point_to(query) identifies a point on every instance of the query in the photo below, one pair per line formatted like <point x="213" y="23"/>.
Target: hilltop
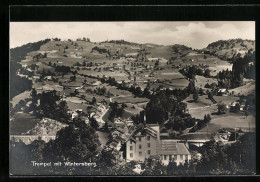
<point x="227" y="49"/>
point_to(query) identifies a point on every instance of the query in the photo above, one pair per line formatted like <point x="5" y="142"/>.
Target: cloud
<point x="193" y="34"/>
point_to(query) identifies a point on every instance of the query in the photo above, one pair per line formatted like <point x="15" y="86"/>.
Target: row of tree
<point x="79" y="143"/>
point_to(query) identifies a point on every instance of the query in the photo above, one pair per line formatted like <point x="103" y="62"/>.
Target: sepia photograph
<point x="132" y="98"/>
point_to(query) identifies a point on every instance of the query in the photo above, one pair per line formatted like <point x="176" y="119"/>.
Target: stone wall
<point x="28" y="139"/>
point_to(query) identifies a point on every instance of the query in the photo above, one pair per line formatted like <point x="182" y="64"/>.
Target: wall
<point x="178" y="160"/>
<point x="144" y="149"/>
<point x="28" y="139"/>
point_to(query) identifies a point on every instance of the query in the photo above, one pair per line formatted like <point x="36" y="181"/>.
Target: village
<point x="114" y="87"/>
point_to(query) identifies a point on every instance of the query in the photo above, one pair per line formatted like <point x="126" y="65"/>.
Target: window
<point x="148" y="145"/>
<point x="131" y="147"/>
<point x="131" y="155"/>
<point x="140" y="146"/>
<point x="148" y="152"/>
<point x="170" y="157"/>
<point x="131" y="141"/>
<point x="140" y="153"/>
<point x="140" y="139"/>
<point x="148" y="137"/>
<point x="181" y="157"/>
<point x="187" y="157"/>
<point x="175" y="157"/>
<point x="165" y="157"/>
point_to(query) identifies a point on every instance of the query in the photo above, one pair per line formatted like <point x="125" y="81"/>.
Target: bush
<point x="222" y="108"/>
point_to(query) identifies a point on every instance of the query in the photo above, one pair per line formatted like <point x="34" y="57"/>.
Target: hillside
<point x="227" y="49"/>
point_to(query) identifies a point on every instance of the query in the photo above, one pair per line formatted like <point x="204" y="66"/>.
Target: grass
<point x="125" y="115"/>
<point x="103" y="137"/>
<point x="73" y="106"/>
<point x="231" y="120"/>
<point x="201" y="81"/>
<point x="21" y="123"/>
<point x="160" y="52"/>
<point x="22" y="96"/>
<point x="247" y="89"/>
<point x="130" y="99"/>
<point x="204" y="106"/>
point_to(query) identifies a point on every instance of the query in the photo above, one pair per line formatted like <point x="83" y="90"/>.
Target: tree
<point x="207" y="118"/>
<point x="83" y="97"/>
<point x="62" y="112"/>
<point x="191" y="87"/>
<point x="93" y="123"/>
<point x="210" y="95"/>
<point x="207" y="73"/>
<point x="201" y="92"/>
<point x="94" y="100"/>
<point x="33" y="105"/>
<point x="236" y="108"/>
<point x="146" y="92"/>
<point x="246" y="114"/>
<point x="138" y="91"/>
<point x="107" y="158"/>
<point x="106" y="127"/>
<point x="195" y="96"/>
<point x="159" y="106"/>
<point x="222" y="108"/>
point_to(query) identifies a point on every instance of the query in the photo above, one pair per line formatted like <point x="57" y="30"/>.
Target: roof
<point x="113" y="144"/>
<point x="223" y="90"/>
<point x="121" y="130"/>
<point x="234" y="103"/>
<point x="146" y="130"/>
<point x="195" y="136"/>
<point x="171" y="147"/>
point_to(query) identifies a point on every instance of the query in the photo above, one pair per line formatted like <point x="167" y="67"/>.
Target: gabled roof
<point x="195" y="136"/>
<point x="171" y="147"/>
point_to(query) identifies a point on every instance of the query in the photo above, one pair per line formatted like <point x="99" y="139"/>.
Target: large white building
<point x="146" y="143"/>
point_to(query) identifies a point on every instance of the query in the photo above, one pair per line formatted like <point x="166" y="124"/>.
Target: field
<point x="247" y="89"/>
<point x="103" y="137"/>
<point x="126" y="115"/>
<point x="231" y="120"/>
<point x="205" y="106"/>
<point x="201" y="81"/>
<point x="122" y="68"/>
<point x="22" y="96"/>
<point x="130" y="99"/>
<point x="21" y="123"/>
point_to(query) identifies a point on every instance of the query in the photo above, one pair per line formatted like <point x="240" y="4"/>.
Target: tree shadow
<point x="217" y="113"/>
<point x="191" y="101"/>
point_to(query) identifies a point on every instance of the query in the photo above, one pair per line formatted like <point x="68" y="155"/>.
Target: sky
<point x="190" y="33"/>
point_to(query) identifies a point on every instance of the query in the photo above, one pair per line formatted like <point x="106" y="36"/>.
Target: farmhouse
<point x="48" y="78"/>
<point x="131" y="55"/>
<point x="241" y="105"/>
<point x="223" y="92"/>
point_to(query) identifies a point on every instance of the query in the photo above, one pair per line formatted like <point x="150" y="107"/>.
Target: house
<point x="169" y="150"/>
<point x="223" y="92"/>
<point x="146" y="143"/>
<point x="132" y="55"/>
<point x="36" y="77"/>
<point x="241" y="105"/>
<point x="76" y="113"/>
